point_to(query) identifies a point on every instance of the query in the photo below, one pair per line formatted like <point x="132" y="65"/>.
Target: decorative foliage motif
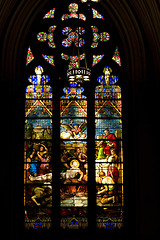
<point x="30" y="56"/>
<point x="96" y="14"/>
<point x="38" y="91"/>
<point x="43" y="36"/>
<point x="97" y="59"/>
<point x="116" y="57"/>
<point x="73" y="37"/>
<point x="73" y="91"/>
<point x="103" y="37"/>
<point x="73" y="59"/>
<point x="73" y="9"/>
<point x="50" y="14"/>
<point x="49" y="59"/>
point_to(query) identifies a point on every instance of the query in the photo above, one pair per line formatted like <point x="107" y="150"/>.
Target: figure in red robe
<point x="110" y="143"/>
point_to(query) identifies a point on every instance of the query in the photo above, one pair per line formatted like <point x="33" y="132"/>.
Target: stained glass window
<point x="73" y="59"/>
<point x="74" y="167"/>
<point x="73" y="9"/>
<point x="116" y="57"/>
<point x="38" y="152"/>
<point x="96" y="14"/>
<point x="43" y="36"/>
<point x="78" y="42"/>
<point x="103" y="37"/>
<point x="73" y="37"/>
<point x="50" y="14"/>
<point x="96" y="59"/>
<point x="30" y="56"/>
<point x="49" y="59"/>
<point x="108" y="152"/>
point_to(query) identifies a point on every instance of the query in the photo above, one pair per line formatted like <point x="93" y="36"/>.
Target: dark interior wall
<point x="137" y="23"/>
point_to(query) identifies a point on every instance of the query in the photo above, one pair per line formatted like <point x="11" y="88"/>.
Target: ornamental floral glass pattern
<point x="43" y="36"/>
<point x="49" y="59"/>
<point x="116" y="57"/>
<point x="38" y="152"/>
<point x="73" y="9"/>
<point x="50" y="14"/>
<point x="74" y="167"/>
<point x="73" y="37"/>
<point x="97" y="59"/>
<point x="30" y="56"/>
<point x="96" y="14"/>
<point x="108" y="152"/>
<point x="73" y="59"/>
<point x="97" y="37"/>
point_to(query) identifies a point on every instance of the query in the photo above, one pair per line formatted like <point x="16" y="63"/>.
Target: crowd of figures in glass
<point x="74" y="168"/>
<point x="109" y="151"/>
<point x="38" y="152"/>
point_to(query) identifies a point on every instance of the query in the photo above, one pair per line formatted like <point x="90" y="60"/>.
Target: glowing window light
<point x="49" y="14"/>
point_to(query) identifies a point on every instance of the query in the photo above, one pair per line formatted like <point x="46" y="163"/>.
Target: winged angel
<point x="75" y="131"/>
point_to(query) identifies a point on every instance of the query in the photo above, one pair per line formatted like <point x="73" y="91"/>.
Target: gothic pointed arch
<point x="73" y="151"/>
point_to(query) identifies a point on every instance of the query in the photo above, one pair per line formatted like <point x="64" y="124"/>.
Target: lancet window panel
<point x="73" y="184"/>
<point x="74" y="160"/>
<point x="108" y="152"/>
<point x="38" y="152"/>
